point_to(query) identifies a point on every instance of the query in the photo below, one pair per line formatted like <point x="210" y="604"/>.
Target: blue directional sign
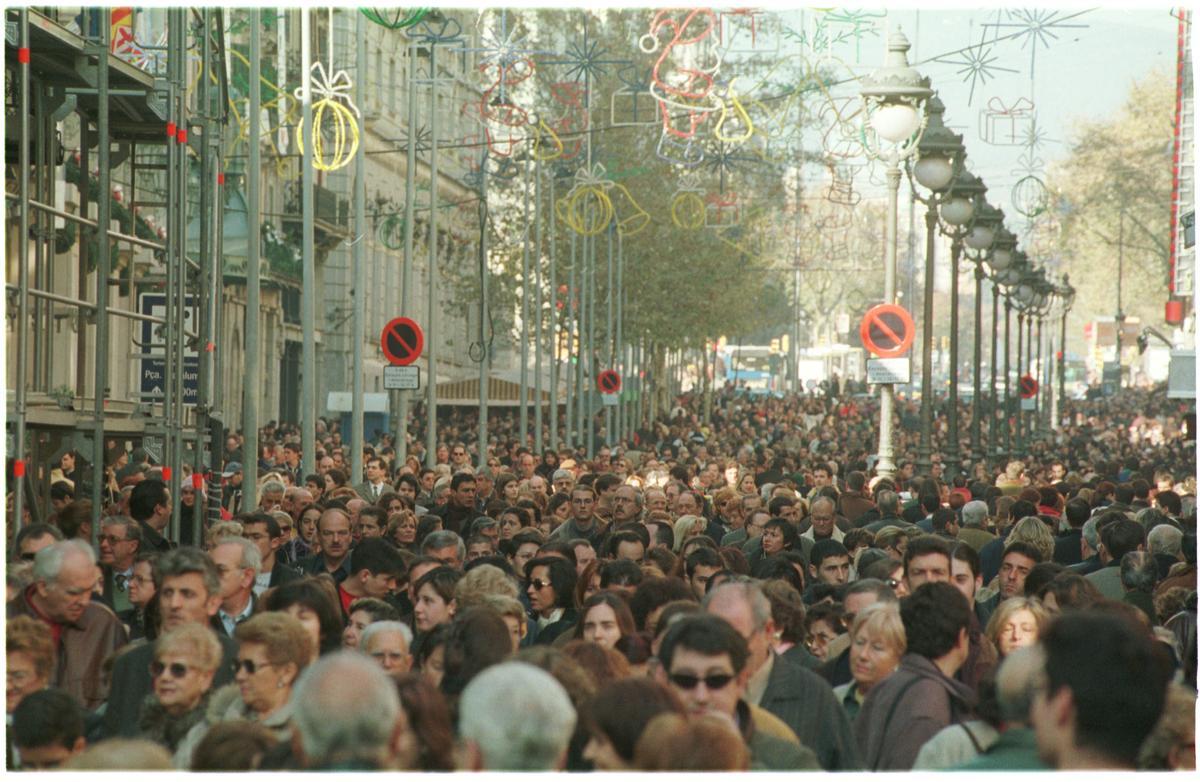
<point x="153" y="364"/>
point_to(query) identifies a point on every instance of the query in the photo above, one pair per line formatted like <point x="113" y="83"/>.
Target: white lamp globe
<point x="933" y="171"/>
<point x="1025" y="293"/>
<point x="1001" y="259"/>
<point x="980" y="238"/>
<point x="895" y="122"/>
<point x="957" y="211"/>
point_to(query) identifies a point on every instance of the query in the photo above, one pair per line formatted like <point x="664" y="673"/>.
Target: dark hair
<point x="1070" y="590"/>
<point x="964" y="553"/>
<point x="620" y="572"/>
<point x="562" y="578"/>
<point x="145" y="497"/>
<point x="61" y="490"/>
<point x="443" y="579"/>
<point x="733" y="559"/>
<point x="260" y="517"/>
<point x="233" y="745"/>
<point x="309" y="593"/>
<point x="943" y="517"/>
<point x="478" y="638"/>
<point x="459" y="478"/>
<point x="37" y="530"/>
<point x="374" y="512"/>
<point x="934" y="615"/>
<point x="621" y="711"/>
<point x="427" y="642"/>
<point x="1023" y="548"/>
<point x="777" y="568"/>
<point x="1041" y="574"/>
<point x="619" y="606"/>
<point x="787" y="610"/>
<point x="377" y="555"/>
<point x="1077" y="512"/>
<point x="705" y="634"/>
<point x="1121" y="537"/>
<point x="427" y="524"/>
<point x="824" y="549"/>
<point x="379" y="610"/>
<point x="428" y="719"/>
<point x="46" y="718"/>
<point x="626" y="536"/>
<point x="661" y="532"/>
<point x="791" y="538"/>
<point x="702" y="556"/>
<point x="926" y="544"/>
<point x="1170" y="501"/>
<point x="654" y="593"/>
<point x="1113" y="713"/>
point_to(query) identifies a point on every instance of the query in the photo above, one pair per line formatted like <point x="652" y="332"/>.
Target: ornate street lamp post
<point x="979" y="248"/>
<point x="893" y="102"/>
<point x="940" y="161"/>
<point x="957" y="217"/>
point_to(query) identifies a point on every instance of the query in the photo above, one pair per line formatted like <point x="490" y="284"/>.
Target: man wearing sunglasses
<point x="703" y="659"/>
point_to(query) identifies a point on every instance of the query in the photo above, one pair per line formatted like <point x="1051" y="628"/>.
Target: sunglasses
<point x="537" y="583"/>
<point x="177" y="670"/>
<point x="28" y="556"/>
<point x="249" y="666"/>
<point x="716" y="681"/>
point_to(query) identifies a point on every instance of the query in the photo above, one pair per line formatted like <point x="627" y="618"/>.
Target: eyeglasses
<point x="177" y="670"/>
<point x="112" y="539"/>
<point x="28" y="556"/>
<point x="715" y="681"/>
<point x="537" y="583"/>
<point x="893" y="583"/>
<point x="249" y="666"/>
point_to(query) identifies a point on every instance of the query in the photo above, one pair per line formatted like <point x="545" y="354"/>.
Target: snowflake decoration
<point x="1034" y="27"/>
<point x="1033" y="136"/>
<point x="976" y="66"/>
<point x="504" y="46"/>
<point x="422" y="138"/>
<point x="585" y="58"/>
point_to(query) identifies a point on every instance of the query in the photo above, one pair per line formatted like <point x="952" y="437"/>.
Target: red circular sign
<point x="609" y="382"/>
<point x="887" y="330"/>
<point x="1029" y="387"/>
<point x="402" y="341"/>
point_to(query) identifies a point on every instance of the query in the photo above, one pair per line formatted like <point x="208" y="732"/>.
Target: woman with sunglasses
<point x="181" y="674"/>
<point x="273" y="649"/>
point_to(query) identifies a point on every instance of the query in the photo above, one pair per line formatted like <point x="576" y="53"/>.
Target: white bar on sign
<point x="889" y="371"/>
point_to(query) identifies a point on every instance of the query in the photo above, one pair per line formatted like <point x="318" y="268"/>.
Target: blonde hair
<point x="683" y="528"/>
<point x="1033" y="531"/>
<point x="481" y="582"/>
<point x="282" y="635"/>
<point x="194" y="639"/>
<point x="1006" y="609"/>
<point x="222" y="529"/>
<point x="27" y="635"/>
<point x="881" y="621"/>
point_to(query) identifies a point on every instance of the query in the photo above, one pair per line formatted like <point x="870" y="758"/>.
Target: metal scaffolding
<point x="137" y="119"/>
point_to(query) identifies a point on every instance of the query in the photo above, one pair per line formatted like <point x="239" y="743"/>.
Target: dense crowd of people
<point x="730" y="589"/>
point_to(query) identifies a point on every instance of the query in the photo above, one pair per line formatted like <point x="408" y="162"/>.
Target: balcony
<point x="331" y="217"/>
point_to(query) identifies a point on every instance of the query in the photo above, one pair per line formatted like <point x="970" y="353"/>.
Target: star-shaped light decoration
<point x="976" y="66"/>
<point x="585" y="58"/>
<point x="1034" y="27"/>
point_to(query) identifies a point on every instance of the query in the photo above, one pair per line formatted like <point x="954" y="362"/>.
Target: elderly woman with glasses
<point x="181" y="673"/>
<point x="273" y="648"/>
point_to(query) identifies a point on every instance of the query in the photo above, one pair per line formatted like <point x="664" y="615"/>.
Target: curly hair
<point x="26" y="635"/>
<point x="282" y="635"/>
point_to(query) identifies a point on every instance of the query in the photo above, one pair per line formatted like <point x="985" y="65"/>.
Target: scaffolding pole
<point x="308" y="291"/>
<point x="250" y="391"/>
<point x="103" y="269"/>
<point x="357" y="436"/>
<point x="22" y="282"/>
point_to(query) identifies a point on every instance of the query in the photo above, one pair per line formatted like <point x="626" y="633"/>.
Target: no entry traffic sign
<point x="887" y="330"/>
<point x="402" y="341"/>
<point x="1029" y="387"/>
<point x="609" y="382"/>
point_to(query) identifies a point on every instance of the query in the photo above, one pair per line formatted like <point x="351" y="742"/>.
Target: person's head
<point x="1105" y="685"/>
<point x="185" y="660"/>
<point x="652" y="595"/>
<point x="1017" y="622"/>
<point x="478" y="638"/>
<point x="334" y="534"/>
<point x="377" y="567"/>
<point x="1172" y="744"/>
<point x="1139" y="571"/>
<point x="365" y="611"/>
<point x="33" y="538"/>
<point x="936" y="620"/>
<point x="30" y="659"/>
<point x="605" y="619"/>
<point x="965" y="570"/>
<point x="346" y="709"/>
<point x="273" y="648"/>
<point x="743" y="605"/>
<point x="551" y="584"/>
<point x="926" y="559"/>
<point x="64" y="574"/>
<point x="233" y="745"/>
<point x="434" y="604"/>
<point x="1165" y="540"/>
<point x="974" y="514"/>
<point x="616" y="717"/>
<point x="120" y="541"/>
<point x="372" y="520"/>
<point x="150" y="503"/>
<point x="701" y="565"/>
<point x="388" y="643"/>
<point x="47" y="730"/>
<point x="1032" y="530"/>
<point x="829" y="562"/>
<point x="877" y="642"/>
<point x="1016" y="562"/>
<point x="445" y="546"/>
<point x="698" y="743"/>
<point x="492" y="740"/>
<point x="1119" y="537"/>
<point x="237" y="561"/>
<point x="703" y="660"/>
<point x="313" y="601"/>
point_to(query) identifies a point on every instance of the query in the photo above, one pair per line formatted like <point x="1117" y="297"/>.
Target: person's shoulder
<point x="776" y="754"/>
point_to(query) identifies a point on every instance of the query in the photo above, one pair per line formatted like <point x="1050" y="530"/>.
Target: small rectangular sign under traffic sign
<point x="890" y="371"/>
<point x="402" y="378"/>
